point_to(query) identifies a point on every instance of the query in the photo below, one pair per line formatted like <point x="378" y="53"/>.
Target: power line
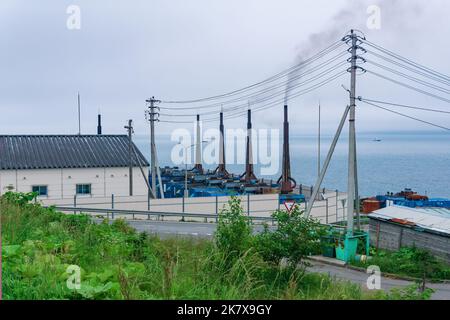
<point x="406" y="60"/>
<point x="268" y="105"/>
<point x="404" y="106"/>
<point x="408" y="86"/>
<point x="319" y="55"/>
<point x="268" y="97"/>
<point x="399" y="64"/>
<point x="406" y="116"/>
<point x="422" y="82"/>
<point x="265" y="90"/>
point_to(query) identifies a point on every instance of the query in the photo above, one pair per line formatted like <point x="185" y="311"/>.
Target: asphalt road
<point x="161" y="228"/>
<point x="442" y="290"/>
<point x="170" y="229"/>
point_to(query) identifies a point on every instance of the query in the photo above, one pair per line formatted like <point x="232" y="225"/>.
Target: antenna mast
<point x="79" y="115"/>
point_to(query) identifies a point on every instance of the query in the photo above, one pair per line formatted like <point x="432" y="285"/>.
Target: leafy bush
<point x="233" y="236"/>
<point x="20" y="198"/>
<point x="410" y="262"/>
<point x="412" y="292"/>
<point x="295" y="238"/>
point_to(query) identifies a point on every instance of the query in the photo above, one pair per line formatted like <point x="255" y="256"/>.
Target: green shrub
<point x="233" y="236"/>
<point x="410" y="262"/>
<point x="295" y="238"/>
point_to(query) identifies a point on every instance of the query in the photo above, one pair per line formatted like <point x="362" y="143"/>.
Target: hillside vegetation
<point x="116" y="262"/>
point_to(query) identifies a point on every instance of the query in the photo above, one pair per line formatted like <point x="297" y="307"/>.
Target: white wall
<point x="62" y="183"/>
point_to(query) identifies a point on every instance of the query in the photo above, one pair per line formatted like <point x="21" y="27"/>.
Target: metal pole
<point x="75" y="201"/>
<point x="278" y="202"/>
<point x="217" y="207"/>
<point x="150" y="191"/>
<point x="326" y="200"/>
<point x="79" y="115"/>
<point x="112" y="205"/>
<point x="337" y="208"/>
<point x="358" y="202"/>
<point x="248" y="208"/>
<point x="158" y="173"/>
<point x="351" y="189"/>
<point x="327" y="161"/>
<point x="186" y="191"/>
<point x="130" y="155"/>
<point x="318" y="147"/>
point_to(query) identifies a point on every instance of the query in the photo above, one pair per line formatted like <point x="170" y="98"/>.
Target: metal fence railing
<point x="330" y="208"/>
<point x="159" y="216"/>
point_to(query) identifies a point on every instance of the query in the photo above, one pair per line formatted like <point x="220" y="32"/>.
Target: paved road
<point x="442" y="290"/>
<point x="168" y="228"/>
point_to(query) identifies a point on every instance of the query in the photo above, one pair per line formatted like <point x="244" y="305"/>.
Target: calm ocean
<point x="417" y="160"/>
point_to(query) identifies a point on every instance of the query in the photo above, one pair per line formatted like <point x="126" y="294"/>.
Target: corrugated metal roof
<point x="433" y="219"/>
<point x="65" y="151"/>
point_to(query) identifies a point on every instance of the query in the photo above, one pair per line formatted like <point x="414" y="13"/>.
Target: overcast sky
<point x="127" y="51"/>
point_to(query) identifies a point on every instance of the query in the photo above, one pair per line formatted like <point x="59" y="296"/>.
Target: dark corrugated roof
<point x="65" y="151"/>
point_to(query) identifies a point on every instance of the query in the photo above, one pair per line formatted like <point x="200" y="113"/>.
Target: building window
<point x="40" y="190"/>
<point x="83" y="189"/>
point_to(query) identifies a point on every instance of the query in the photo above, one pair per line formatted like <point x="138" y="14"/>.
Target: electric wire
<point x="404" y="105"/>
<point x="268" y="97"/>
<point x="317" y="56"/>
<point x="268" y="105"/>
<point x="422" y="82"/>
<point x="406" y="60"/>
<point x="408" y="68"/>
<point x="264" y="90"/>
<point x="408" y="86"/>
<point x="407" y="116"/>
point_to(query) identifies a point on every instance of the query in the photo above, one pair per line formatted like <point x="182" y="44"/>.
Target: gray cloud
<point x="125" y="53"/>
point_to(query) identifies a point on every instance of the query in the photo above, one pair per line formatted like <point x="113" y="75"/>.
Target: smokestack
<point x="198" y="149"/>
<point x="221" y="169"/>
<point x="99" y="124"/>
<point x="249" y="174"/>
<point x="286" y="185"/>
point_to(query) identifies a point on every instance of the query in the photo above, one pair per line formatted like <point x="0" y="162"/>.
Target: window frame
<point x="39" y="186"/>
<point x="81" y="185"/>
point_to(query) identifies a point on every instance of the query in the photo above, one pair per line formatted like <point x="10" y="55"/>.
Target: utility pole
<point x="130" y="154"/>
<point x="153" y="116"/>
<point x="351" y="189"/>
<point x="352" y="164"/>
<point x="79" y="115"/>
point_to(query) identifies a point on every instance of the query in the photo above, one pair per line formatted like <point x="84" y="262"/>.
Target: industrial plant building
<point x="61" y="166"/>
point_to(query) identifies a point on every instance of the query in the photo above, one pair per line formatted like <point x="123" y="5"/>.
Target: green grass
<point x="403" y="263"/>
<point x="119" y="263"/>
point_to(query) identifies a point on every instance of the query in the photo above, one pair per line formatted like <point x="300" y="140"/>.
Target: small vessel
<point x="376" y="140"/>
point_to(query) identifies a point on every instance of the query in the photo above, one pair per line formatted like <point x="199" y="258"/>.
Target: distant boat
<point x="377" y="140"/>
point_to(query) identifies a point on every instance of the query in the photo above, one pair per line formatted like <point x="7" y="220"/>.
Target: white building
<point x="61" y="166"/>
